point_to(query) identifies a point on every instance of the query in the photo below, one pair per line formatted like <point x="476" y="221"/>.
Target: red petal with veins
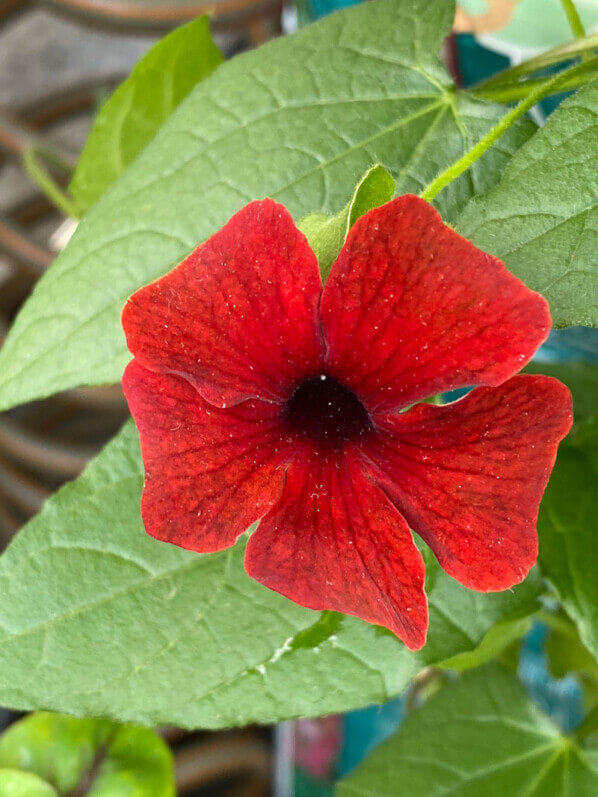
<point x="209" y="473"/>
<point x="239" y="317"/>
<point x="334" y="541"/>
<point x="411" y="309"/>
<point x="468" y="477"/>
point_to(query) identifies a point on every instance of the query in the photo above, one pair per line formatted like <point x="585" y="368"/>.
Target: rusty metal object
<point x="20" y="491"/>
<point x="15" y="242"/>
<point x="17" y="137"/>
<point x="18" y="132"/>
<point x="9" y="525"/>
<point x="34" y="451"/>
<point x="228" y="763"/>
<point x="67" y="103"/>
<point x="161" y="14"/>
<point x="8" y="7"/>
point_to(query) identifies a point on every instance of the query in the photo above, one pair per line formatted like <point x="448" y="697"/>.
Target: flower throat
<point x="323" y="409"/>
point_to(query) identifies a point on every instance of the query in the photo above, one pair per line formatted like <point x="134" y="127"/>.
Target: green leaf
<point x="130" y="119"/>
<point x="542" y="218"/>
<point x="98" y="618"/>
<point x="299" y="120"/>
<point x="66" y="752"/>
<point x="569" y="508"/>
<point x="479" y="737"/>
<point x="375" y="188"/>
<point x="326" y="234"/>
<point x="498" y="638"/>
<point x="22" y="784"/>
<point x="567" y="530"/>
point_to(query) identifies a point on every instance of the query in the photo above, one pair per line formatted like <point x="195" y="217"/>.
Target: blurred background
<point x="59" y="60"/>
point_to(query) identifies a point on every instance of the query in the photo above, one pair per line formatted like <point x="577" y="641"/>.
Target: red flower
<point x="260" y="394"/>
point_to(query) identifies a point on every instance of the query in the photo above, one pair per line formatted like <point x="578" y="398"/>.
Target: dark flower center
<point x="325" y="410"/>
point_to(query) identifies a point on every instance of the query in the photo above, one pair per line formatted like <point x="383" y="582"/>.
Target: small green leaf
<point x="326" y="234"/>
<point x="375" y="188"/>
<point x="479" y="737"/>
<point x="542" y="217"/>
<point x="66" y="752"/>
<point x="498" y="638"/>
<point x="567" y="530"/>
<point x="139" y="107"/>
<point x="299" y="119"/>
<point x="23" y="784"/>
<point x="96" y="617"/>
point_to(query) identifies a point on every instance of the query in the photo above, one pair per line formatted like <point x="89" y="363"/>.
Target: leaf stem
<point x="44" y="180"/>
<point x="557" y="55"/>
<point x="89" y="776"/>
<point x="575" y="22"/>
<point x="419" y="685"/>
<point x="465" y="161"/>
<point x="518" y="89"/>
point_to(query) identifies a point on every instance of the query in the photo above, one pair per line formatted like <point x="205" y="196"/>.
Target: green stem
<point x="466" y="161"/>
<point x="54" y="157"/>
<point x="420" y="684"/>
<point x="517" y="90"/>
<point x="557" y="55"/>
<point x="573" y="18"/>
<point x="44" y="180"/>
<point x="90" y="775"/>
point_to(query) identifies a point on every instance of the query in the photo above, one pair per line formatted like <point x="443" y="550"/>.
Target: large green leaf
<point x="300" y="120"/>
<point x="139" y="107"/>
<point x="479" y="737"/>
<point x="542" y="218"/>
<point x="567" y="519"/>
<point x="98" y="618"/>
<point x="115" y="760"/>
<point x="567" y="525"/>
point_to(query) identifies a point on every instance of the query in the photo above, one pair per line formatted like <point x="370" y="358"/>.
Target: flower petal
<point x="468" y="477"/>
<point x="334" y="541"/>
<point x="238" y="318"/>
<point x="209" y="473"/>
<point x="411" y="309"/>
